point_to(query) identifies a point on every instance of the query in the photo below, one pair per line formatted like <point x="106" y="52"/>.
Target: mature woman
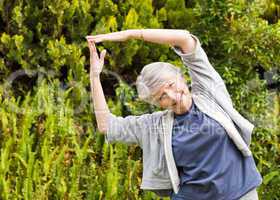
<point x="197" y="148"/>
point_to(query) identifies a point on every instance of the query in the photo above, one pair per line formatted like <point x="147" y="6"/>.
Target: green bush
<point x="49" y="147"/>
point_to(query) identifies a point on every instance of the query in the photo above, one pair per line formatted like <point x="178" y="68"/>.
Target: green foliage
<point x="49" y="146"/>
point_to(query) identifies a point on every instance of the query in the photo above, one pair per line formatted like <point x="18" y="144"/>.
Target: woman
<point x="198" y="147"/>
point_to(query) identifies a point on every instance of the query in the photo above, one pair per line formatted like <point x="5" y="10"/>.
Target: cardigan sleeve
<point x="131" y="129"/>
<point x="207" y="81"/>
<point x="202" y="73"/>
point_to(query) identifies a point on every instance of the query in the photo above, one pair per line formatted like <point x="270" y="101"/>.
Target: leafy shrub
<point x="50" y="148"/>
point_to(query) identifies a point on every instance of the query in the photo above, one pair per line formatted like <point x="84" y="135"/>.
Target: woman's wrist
<point x="95" y="77"/>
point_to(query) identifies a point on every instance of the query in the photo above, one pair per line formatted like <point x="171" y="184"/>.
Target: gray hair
<point x="152" y="77"/>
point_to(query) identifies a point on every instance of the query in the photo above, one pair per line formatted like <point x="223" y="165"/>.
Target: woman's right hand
<point x="96" y="62"/>
<point x="119" y="36"/>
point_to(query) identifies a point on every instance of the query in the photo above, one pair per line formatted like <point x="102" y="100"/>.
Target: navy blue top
<point x="209" y="164"/>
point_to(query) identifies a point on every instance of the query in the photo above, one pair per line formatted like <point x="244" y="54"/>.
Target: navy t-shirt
<point x="209" y="164"/>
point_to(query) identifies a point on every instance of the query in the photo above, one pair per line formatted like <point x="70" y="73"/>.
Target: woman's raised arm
<point x="101" y="109"/>
<point x="173" y="37"/>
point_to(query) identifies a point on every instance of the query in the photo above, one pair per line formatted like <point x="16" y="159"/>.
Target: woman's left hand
<point x="114" y="37"/>
<point x="96" y="61"/>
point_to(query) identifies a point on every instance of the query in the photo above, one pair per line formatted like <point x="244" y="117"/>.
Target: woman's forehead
<point x="161" y="88"/>
<point x="166" y="80"/>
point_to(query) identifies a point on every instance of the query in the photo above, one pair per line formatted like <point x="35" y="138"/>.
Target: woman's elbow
<point x="187" y="43"/>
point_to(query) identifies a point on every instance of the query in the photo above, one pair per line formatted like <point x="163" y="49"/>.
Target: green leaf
<point x="270" y="176"/>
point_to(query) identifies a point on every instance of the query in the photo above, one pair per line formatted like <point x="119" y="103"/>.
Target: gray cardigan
<point x="153" y="131"/>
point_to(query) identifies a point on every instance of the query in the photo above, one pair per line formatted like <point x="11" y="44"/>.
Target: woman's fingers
<point x="106" y="35"/>
<point x="100" y="39"/>
<point x="90" y="46"/>
<point x="97" y="38"/>
<point x="90" y="37"/>
<point x="96" y="61"/>
<point x="115" y="36"/>
<point x="102" y="55"/>
<point x="93" y="47"/>
<point x="93" y="50"/>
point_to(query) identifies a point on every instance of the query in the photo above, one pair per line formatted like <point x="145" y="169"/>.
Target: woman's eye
<point x="170" y="84"/>
<point x="162" y="96"/>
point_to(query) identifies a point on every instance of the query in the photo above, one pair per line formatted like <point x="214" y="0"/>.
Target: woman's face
<point x="174" y="95"/>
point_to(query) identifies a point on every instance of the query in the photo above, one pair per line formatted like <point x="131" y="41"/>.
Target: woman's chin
<point x="179" y="111"/>
<point x="181" y="106"/>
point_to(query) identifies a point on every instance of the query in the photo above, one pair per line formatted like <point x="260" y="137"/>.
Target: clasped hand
<point x="96" y="62"/>
<point x="114" y="37"/>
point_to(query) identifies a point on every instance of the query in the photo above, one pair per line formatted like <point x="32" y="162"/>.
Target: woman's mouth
<point x="178" y="100"/>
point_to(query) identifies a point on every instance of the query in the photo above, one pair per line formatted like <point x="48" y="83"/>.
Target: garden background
<point x="49" y="146"/>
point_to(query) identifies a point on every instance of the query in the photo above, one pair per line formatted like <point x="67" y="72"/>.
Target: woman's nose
<point x="171" y="94"/>
<point x="174" y="95"/>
